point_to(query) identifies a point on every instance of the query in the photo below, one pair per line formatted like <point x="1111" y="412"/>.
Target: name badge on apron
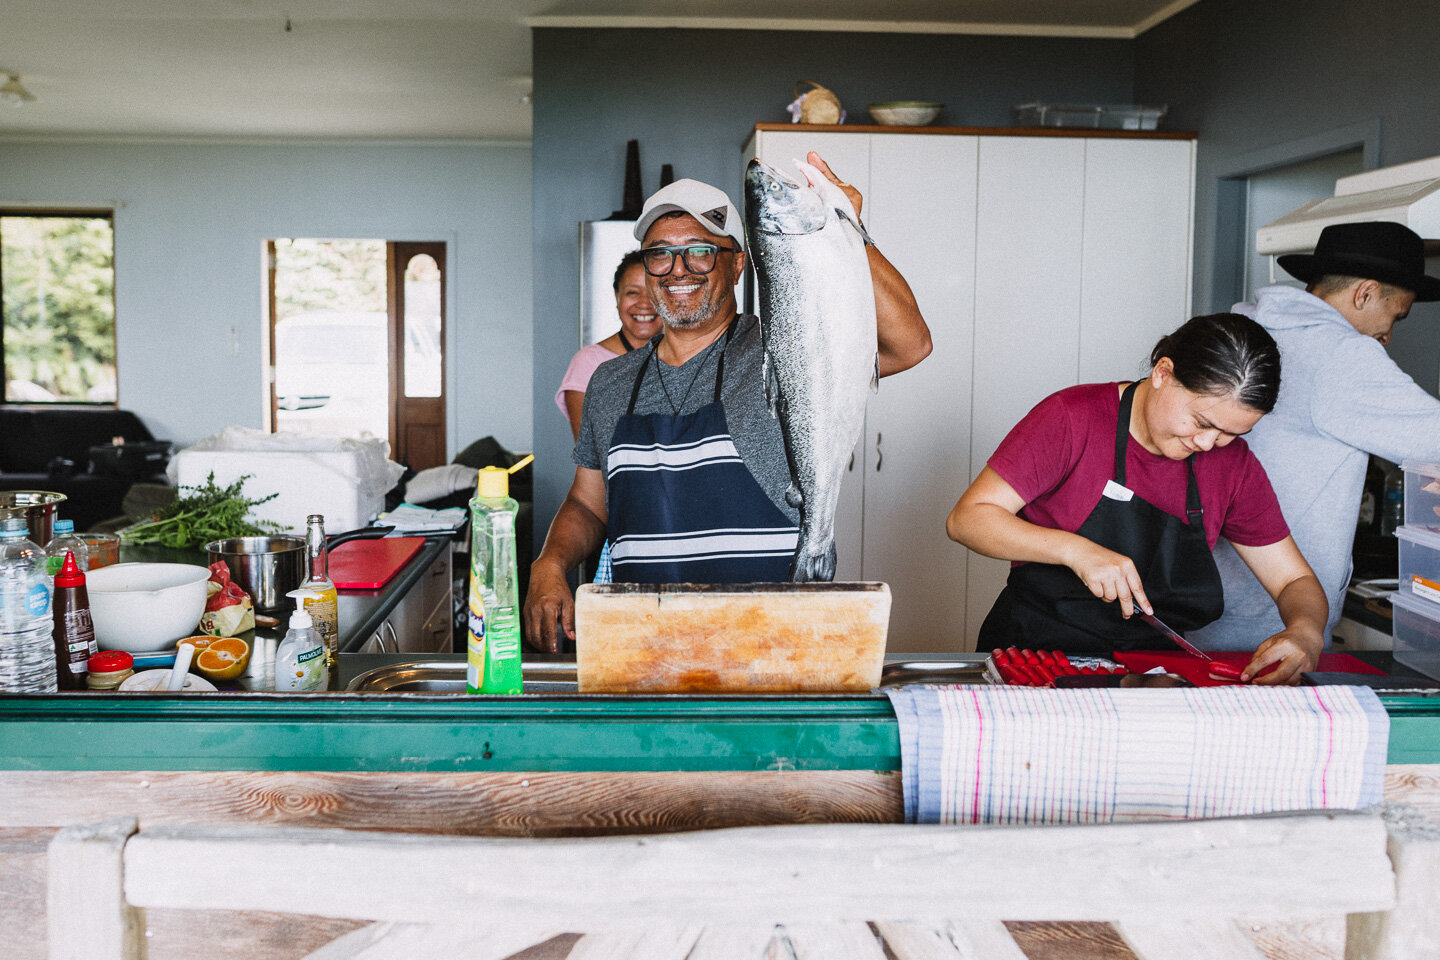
<point x="1116" y="491"/>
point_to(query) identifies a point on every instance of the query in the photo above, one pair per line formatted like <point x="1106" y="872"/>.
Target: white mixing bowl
<point x="143" y="607"/>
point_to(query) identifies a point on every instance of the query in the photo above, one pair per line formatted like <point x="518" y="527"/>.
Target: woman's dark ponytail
<point x="1224" y="354"/>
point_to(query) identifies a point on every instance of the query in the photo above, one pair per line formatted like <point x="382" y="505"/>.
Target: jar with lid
<point x="108" y="669"/>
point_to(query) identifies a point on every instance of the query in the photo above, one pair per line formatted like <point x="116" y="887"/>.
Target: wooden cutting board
<point x="730" y="638"/>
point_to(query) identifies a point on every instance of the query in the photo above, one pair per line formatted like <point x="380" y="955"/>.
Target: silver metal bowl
<point x="267" y="568"/>
<point x="38" y="509"/>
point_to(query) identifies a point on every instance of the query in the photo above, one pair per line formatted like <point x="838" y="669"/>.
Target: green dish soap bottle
<point x="493" y="649"/>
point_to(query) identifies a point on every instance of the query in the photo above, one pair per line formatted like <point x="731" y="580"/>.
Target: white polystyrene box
<point x="324" y="482"/>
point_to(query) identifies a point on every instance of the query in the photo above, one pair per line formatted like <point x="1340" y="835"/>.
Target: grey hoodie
<point x="1341" y="399"/>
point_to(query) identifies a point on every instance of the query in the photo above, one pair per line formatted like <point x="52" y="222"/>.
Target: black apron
<point x="683" y="506"/>
<point x="1047" y="606"/>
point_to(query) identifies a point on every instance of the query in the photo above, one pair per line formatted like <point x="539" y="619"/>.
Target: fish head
<point x="775" y="204"/>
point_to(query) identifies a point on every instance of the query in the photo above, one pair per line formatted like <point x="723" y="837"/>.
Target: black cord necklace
<point x="626" y="340"/>
<point x="699" y="368"/>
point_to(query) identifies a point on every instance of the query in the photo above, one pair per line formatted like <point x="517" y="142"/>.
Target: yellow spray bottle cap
<point x="494" y="482"/>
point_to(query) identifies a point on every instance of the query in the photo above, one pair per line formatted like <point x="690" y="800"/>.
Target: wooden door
<point x="921" y="212"/>
<point x="417" y="353"/>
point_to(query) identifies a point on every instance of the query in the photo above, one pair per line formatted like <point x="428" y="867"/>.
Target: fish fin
<point x="772" y="388"/>
<point x="794" y="496"/>
<point x="857" y="225"/>
<point x="809" y="567"/>
<point x="875" y="377"/>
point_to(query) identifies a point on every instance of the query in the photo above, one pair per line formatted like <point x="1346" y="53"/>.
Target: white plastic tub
<point x="324" y="482"/>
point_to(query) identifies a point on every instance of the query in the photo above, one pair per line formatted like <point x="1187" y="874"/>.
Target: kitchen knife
<point x="1180" y="641"/>
<point x="1217" y="669"/>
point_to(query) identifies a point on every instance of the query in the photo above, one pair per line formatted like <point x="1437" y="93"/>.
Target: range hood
<point x="1408" y="193"/>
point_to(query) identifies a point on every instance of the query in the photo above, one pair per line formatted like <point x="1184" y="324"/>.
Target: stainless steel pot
<point x="268" y="568"/>
<point x="38" y="509"/>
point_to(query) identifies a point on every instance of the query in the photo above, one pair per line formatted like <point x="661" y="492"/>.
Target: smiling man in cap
<point x="1341" y="399"/>
<point x="678" y="460"/>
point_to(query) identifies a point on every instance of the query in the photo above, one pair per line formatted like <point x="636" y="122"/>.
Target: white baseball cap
<point x="705" y="203"/>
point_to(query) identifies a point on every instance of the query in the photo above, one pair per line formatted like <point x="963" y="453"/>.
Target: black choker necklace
<point x="660" y="373"/>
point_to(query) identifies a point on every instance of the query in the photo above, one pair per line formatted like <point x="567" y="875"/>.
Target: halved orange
<point x="222" y="658"/>
<point x="199" y="643"/>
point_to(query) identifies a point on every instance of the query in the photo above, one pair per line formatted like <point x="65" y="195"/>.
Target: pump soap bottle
<point x="493" y="650"/>
<point x="300" y="660"/>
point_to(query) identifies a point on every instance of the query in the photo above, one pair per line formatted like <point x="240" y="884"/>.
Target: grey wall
<point x="692" y="97"/>
<point x="1263" y="81"/>
<point x="189" y="235"/>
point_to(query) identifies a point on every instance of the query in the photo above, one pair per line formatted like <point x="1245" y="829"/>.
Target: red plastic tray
<point x="1195" y="670"/>
<point x="369" y="564"/>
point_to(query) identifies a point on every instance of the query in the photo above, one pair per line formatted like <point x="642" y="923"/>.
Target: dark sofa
<point x="48" y="448"/>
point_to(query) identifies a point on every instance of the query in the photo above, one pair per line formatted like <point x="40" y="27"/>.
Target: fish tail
<point x="813" y="565"/>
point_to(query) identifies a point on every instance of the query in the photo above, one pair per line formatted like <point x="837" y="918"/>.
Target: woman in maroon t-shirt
<point x="1111" y="496"/>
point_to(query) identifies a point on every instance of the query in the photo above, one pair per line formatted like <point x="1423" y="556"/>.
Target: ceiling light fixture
<point x="14" y="92"/>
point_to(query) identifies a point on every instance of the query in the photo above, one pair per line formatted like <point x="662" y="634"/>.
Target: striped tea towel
<point x="977" y="754"/>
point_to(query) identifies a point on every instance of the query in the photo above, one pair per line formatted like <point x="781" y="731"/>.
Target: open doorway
<point x="1273" y="193"/>
<point x="356" y="342"/>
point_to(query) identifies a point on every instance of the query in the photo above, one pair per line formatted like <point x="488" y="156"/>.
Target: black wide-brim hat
<point x="1377" y="250"/>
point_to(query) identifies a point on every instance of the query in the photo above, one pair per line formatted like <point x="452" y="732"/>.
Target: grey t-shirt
<point x="688" y="388"/>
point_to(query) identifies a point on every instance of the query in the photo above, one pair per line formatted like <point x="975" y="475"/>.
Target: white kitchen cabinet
<point x="1039" y="261"/>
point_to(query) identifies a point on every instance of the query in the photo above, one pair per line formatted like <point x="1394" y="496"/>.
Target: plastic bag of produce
<point x="229" y="609"/>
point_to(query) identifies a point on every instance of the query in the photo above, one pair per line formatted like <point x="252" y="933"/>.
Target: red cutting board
<point x="1194" y="669"/>
<point x="369" y="564"/>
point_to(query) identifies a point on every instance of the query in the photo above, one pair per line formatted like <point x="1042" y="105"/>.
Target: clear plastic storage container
<point x="1420" y="564"/>
<point x="1417" y="633"/>
<point x="1422" y="494"/>
<point x="1093" y="116"/>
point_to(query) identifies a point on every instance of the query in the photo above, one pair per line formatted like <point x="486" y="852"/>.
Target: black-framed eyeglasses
<point x="698" y="257"/>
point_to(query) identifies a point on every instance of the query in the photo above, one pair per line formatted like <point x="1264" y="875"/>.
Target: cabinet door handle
<point x="879" y="455"/>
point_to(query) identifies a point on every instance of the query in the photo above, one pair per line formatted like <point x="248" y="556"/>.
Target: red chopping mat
<point x="1194" y="669"/>
<point x="369" y="564"/>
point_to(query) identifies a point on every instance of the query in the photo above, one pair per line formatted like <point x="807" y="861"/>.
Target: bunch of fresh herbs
<point x="205" y="513"/>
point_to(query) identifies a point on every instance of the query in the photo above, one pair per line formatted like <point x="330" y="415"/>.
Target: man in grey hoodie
<point x="1341" y="399"/>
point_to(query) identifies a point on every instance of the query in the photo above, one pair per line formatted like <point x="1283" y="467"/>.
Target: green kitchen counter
<point x="338" y="731"/>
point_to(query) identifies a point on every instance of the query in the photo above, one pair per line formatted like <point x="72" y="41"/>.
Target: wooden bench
<point x="1171" y="890"/>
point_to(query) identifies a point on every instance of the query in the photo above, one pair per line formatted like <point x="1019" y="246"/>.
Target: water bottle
<point x="65" y="540"/>
<point x="27" y="653"/>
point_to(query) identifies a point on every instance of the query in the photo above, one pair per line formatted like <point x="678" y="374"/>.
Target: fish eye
<point x="774" y="186"/>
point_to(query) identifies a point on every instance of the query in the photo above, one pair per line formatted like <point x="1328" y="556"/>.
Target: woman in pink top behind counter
<point x="638" y="323"/>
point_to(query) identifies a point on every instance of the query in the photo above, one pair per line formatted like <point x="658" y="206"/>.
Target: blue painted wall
<point x="1260" y="80"/>
<point x="692" y="97"/>
<point x="189" y="233"/>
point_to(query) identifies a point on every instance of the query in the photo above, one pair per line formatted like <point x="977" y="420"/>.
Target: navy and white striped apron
<point x="683" y="507"/>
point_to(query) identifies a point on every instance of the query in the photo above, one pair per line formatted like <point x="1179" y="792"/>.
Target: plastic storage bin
<point x="326" y="482"/>
<point x="1417" y="634"/>
<point x="1091" y="116"/>
<point x="1420" y="564"/>
<point x="1422" y="494"/>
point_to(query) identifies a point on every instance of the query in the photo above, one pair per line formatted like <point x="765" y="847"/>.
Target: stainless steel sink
<point x="448" y="676"/>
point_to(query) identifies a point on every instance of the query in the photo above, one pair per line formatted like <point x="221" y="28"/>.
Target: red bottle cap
<point x="70" y="574"/>
<point x="108" y="661"/>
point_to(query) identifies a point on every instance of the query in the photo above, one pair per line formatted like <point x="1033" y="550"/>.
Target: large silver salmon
<point x="817" y="314"/>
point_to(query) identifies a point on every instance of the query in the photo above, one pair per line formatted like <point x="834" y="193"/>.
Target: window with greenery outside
<point x="57" y="289"/>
